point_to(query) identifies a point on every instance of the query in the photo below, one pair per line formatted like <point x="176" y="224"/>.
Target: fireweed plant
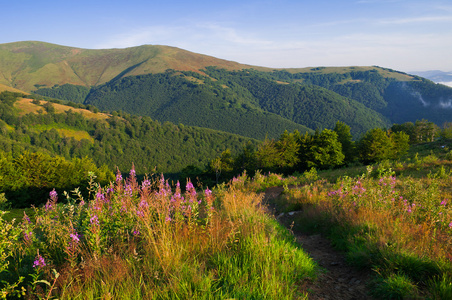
<point x="149" y="240"/>
<point x="401" y="228"/>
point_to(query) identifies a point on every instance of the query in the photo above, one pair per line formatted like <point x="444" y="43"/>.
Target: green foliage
<point x="307" y="104"/>
<point x="322" y="150"/>
<point x="378" y="144"/>
<point x="70" y="92"/>
<point x="417" y="100"/>
<point x="396" y="286"/>
<point x="281" y="154"/>
<point x="345" y="138"/>
<point x="29" y="177"/>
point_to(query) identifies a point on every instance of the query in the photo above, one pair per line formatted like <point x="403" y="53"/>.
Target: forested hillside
<point x="170" y="96"/>
<point x="257" y="104"/>
<point x="397" y="96"/>
<point x="250" y="103"/>
<point x="115" y="142"/>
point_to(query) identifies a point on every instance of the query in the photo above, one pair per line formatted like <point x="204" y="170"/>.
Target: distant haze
<point x="436" y="76"/>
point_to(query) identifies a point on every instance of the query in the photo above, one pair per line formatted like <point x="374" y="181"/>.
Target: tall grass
<point x="399" y="227"/>
<point x="149" y="240"/>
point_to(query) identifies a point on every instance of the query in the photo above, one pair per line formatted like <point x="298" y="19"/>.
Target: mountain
<point x="29" y="65"/>
<point x="171" y="84"/>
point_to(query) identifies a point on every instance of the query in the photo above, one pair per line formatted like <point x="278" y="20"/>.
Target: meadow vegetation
<point x="149" y="240"/>
<point x="398" y="226"/>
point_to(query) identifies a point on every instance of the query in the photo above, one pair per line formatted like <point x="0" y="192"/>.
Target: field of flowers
<point x="150" y="240"/>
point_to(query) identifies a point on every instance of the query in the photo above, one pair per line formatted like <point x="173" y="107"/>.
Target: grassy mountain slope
<point x="28" y="65"/>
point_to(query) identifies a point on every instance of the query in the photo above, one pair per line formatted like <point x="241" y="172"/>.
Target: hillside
<point x="29" y="65"/>
<point x="117" y="140"/>
<point x="171" y="84"/>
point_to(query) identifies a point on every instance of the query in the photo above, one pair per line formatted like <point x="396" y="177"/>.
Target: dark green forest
<point x="260" y="104"/>
<point x="171" y="97"/>
<point x="249" y="103"/>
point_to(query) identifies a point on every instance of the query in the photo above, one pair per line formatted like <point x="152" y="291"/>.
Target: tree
<point x="267" y="155"/>
<point x="246" y="160"/>
<point x="425" y="131"/>
<point x="407" y="128"/>
<point x="446" y="132"/>
<point x="375" y="145"/>
<point x="224" y="163"/>
<point x="400" y="143"/>
<point x="345" y="138"/>
<point x="288" y="147"/>
<point x="322" y="150"/>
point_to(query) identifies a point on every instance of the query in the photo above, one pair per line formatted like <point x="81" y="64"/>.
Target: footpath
<point x="339" y="280"/>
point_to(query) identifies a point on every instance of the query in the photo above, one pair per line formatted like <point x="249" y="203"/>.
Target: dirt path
<point x="339" y="281"/>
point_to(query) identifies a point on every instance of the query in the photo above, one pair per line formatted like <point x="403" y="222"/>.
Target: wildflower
<point x="48" y="205"/>
<point x="27" y="236"/>
<point x="128" y="190"/>
<point x="94" y="220"/>
<point x="444" y="202"/>
<point x="118" y="176"/>
<point x="145" y="184"/>
<point x="53" y="198"/>
<point x="75" y="238"/>
<point x="168" y="219"/>
<point x="136" y="232"/>
<point x="53" y="195"/>
<point x="189" y="186"/>
<point x="39" y="262"/>
<point x="143" y="204"/>
<point x="132" y="172"/>
<point x="100" y="196"/>
<point x="208" y="192"/>
<point x="450" y="225"/>
<point x="26" y="218"/>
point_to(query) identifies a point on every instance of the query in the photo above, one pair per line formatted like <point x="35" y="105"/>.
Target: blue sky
<point x="406" y="35"/>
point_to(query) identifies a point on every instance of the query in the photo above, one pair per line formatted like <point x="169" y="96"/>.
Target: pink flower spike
<point x="75" y="237"/>
<point x="39" y="262"/>
<point x="53" y="195"/>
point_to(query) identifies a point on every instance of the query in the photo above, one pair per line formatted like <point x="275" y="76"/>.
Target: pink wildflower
<point x="39" y="262"/>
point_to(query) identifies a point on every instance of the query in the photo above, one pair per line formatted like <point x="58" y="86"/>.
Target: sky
<point x="405" y="35"/>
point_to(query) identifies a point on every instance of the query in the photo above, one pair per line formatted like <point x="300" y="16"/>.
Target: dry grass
<point x="10" y="89"/>
<point x="26" y="106"/>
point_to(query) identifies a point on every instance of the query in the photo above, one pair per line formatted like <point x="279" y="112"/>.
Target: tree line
<point x="296" y="152"/>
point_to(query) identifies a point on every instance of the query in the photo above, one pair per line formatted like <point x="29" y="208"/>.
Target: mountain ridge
<point x="171" y="84"/>
<point x="31" y="64"/>
<point x="28" y="65"/>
